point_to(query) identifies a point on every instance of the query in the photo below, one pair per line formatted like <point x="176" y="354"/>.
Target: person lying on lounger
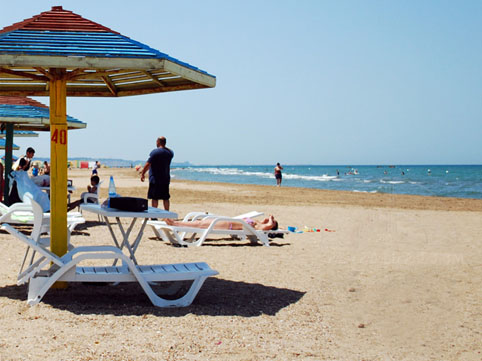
<point x="266" y="224"/>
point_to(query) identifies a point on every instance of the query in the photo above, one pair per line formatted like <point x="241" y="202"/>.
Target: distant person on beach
<point x="95" y="167"/>
<point x="159" y="166"/>
<point x="267" y="224"/>
<point x="92" y="188"/>
<point x="28" y="158"/>
<point x="35" y="170"/>
<point x="277" y="174"/>
<point x="46" y="169"/>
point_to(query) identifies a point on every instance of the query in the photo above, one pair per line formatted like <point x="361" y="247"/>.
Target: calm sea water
<point x="463" y="181"/>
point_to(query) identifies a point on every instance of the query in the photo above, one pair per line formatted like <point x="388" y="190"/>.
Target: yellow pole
<point x="58" y="159"/>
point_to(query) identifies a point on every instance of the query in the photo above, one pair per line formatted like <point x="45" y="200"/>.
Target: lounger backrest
<point x="38" y="220"/>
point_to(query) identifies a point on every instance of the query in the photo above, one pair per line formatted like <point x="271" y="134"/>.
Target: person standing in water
<point x="277" y="174"/>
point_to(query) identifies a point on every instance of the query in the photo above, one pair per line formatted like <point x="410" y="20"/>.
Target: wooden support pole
<point x="58" y="158"/>
<point x="8" y="159"/>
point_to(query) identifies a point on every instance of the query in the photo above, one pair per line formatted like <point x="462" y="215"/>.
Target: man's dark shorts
<point x="157" y="191"/>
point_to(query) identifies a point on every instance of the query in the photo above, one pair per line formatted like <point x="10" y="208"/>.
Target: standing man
<point x="159" y="166"/>
<point x="28" y="158"/>
<point x="277" y="174"/>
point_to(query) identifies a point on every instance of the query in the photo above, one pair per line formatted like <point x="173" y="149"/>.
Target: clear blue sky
<point x="298" y="82"/>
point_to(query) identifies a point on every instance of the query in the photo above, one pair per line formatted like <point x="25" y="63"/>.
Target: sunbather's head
<point x="270" y="221"/>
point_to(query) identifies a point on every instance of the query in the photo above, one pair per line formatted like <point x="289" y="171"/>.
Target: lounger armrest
<point x="90" y="195"/>
<point x="96" y="252"/>
<point x="193" y="216"/>
<point x="86" y="249"/>
<point x="252" y="214"/>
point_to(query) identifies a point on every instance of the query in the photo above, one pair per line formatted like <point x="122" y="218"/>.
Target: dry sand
<point x="399" y="279"/>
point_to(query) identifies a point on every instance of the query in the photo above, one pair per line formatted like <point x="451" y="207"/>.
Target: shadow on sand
<point x="217" y="297"/>
<point x="227" y="242"/>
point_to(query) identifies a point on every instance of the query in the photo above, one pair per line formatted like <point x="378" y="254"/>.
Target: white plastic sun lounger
<point x="17" y="213"/>
<point x="193" y="216"/>
<point x="49" y="268"/>
<point x="22" y="214"/>
<point x="159" y="227"/>
<point x="188" y="236"/>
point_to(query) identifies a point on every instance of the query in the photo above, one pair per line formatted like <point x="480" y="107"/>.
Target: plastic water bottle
<point x="112" y="192"/>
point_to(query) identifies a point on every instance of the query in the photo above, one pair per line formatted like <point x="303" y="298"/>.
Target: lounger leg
<point x="35" y="289"/>
<point x="201" y="239"/>
<point x="156" y="232"/>
<point x="263" y="238"/>
<point x="24" y="259"/>
<point x="169" y="236"/>
<point x="191" y="294"/>
<point x="179" y="238"/>
<point x="184" y="301"/>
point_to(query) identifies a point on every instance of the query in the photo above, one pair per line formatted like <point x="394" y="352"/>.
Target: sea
<point x="461" y="181"/>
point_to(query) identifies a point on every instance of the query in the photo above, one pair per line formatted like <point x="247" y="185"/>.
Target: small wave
<point x="391" y="182"/>
<point x="239" y="172"/>
<point x="359" y="191"/>
<point x="230" y="171"/>
<point x="320" y="178"/>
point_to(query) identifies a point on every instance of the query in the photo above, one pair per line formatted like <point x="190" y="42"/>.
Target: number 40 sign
<point x="59" y="136"/>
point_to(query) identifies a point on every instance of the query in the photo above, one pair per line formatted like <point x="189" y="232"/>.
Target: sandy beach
<point x="389" y="277"/>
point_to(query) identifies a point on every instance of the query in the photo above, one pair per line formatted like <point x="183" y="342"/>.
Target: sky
<point x="298" y="82"/>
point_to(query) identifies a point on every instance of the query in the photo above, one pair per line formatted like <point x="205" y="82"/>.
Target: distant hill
<point x="117" y="163"/>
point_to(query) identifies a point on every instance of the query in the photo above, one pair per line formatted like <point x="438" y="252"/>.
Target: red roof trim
<point x="21" y="101"/>
<point x="58" y="19"/>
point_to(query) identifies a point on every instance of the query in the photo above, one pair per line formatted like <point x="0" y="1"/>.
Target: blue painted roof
<point x="2" y="144"/>
<point x="28" y="111"/>
<point x="21" y="132"/>
<point x="99" y="61"/>
<point x="24" y="132"/>
<point x="69" y="43"/>
<point x="74" y="43"/>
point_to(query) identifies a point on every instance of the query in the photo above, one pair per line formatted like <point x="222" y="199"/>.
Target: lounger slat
<point x="99" y="270"/>
<point x="169" y="268"/>
<point x="173" y="268"/>
<point x="146" y="269"/>
<point x="191" y="267"/>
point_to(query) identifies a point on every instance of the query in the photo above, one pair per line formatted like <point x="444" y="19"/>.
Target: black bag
<point x="131" y="204"/>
